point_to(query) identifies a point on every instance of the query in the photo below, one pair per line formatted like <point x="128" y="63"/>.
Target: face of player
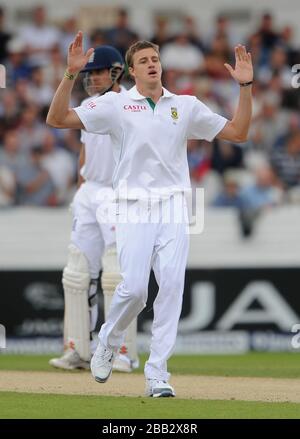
<point x="96" y="81"/>
<point x="146" y="67"/>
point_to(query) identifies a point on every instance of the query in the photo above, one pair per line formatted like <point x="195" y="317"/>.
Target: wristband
<point x="70" y="76"/>
<point x="244" y="84"/>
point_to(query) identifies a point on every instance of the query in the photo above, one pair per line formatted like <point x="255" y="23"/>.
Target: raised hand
<point x="243" y="71"/>
<point x="77" y="59"/>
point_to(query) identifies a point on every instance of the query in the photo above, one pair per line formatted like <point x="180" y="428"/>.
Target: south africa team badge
<point x="174" y="113"/>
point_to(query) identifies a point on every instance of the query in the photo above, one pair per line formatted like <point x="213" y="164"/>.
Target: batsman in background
<point x="89" y="239"/>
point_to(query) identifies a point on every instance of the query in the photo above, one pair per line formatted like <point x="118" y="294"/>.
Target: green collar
<point x="151" y="103"/>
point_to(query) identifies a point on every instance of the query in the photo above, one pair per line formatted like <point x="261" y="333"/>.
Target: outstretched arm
<point x="60" y="115"/>
<point x="237" y="129"/>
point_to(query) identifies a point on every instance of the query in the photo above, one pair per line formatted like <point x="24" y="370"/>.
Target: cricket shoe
<point x="122" y="363"/>
<point x="70" y="360"/>
<point x="102" y="363"/>
<point x="135" y="364"/>
<point x="158" y="389"/>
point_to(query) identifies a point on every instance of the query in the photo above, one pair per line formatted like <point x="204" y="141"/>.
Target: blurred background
<point x="243" y="273"/>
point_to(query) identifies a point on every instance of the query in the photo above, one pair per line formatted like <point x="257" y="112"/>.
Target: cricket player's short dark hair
<point x="136" y="47"/>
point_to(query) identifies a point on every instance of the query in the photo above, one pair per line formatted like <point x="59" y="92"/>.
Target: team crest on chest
<point x="174" y="113"/>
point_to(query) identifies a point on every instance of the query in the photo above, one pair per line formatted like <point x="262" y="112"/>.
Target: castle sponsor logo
<point x="135" y="108"/>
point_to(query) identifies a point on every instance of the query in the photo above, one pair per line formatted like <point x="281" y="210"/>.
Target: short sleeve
<point x="83" y="136"/>
<point x="204" y="123"/>
<point x="99" y="115"/>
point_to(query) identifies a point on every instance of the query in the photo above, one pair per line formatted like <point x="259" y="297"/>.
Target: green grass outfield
<point x="272" y="365"/>
<point x="26" y="405"/>
<point x="36" y="406"/>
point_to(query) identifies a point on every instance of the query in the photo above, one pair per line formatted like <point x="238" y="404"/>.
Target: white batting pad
<point x="76" y="281"/>
<point x="110" y="276"/>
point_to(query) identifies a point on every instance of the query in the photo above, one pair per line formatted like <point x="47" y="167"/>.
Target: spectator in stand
<point x="269" y="124"/>
<point x="205" y="91"/>
<point x="191" y="30"/>
<point x="98" y="38"/>
<point x="178" y="83"/>
<point x="40" y="92"/>
<point x="9" y="111"/>
<point x="60" y="165"/>
<point x="252" y="199"/>
<point x="277" y="66"/>
<point x="218" y="54"/>
<point x="291" y="49"/>
<point x="230" y="195"/>
<point x="4" y="37"/>
<point x="53" y="73"/>
<point x="225" y="155"/>
<point x="161" y="33"/>
<point x="22" y="91"/>
<point x="7" y="187"/>
<point x="10" y="161"/>
<point x="268" y="37"/>
<point x="39" y="37"/>
<point x="11" y="156"/>
<point x="256" y="50"/>
<point x="121" y="36"/>
<point x="286" y="161"/>
<point x="198" y="159"/>
<point x="257" y="197"/>
<point x="31" y="129"/>
<point x="264" y="192"/>
<point x="182" y="56"/>
<point x="34" y="186"/>
<point x="292" y="126"/>
<point x="201" y="173"/>
<point x="223" y="30"/>
<point x="67" y="35"/>
<point x="16" y="64"/>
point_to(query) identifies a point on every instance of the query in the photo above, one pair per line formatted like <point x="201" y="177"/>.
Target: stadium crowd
<point x="38" y="165"/>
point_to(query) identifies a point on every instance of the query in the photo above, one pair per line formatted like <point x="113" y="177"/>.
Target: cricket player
<point x="149" y="127"/>
<point x="90" y="239"/>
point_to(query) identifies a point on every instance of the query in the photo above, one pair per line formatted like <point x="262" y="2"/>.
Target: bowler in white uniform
<point x="149" y="128"/>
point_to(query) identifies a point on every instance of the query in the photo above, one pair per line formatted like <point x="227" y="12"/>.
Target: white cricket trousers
<point x="142" y="246"/>
<point x="87" y="234"/>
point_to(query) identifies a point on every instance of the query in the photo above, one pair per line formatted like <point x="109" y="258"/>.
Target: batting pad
<point x="76" y="281"/>
<point x="110" y="279"/>
<point x="110" y="276"/>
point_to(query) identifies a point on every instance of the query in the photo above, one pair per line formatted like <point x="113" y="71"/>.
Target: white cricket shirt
<point x="150" y="144"/>
<point x="99" y="162"/>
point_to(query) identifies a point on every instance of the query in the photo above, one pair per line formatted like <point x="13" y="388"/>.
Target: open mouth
<point x="152" y="73"/>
